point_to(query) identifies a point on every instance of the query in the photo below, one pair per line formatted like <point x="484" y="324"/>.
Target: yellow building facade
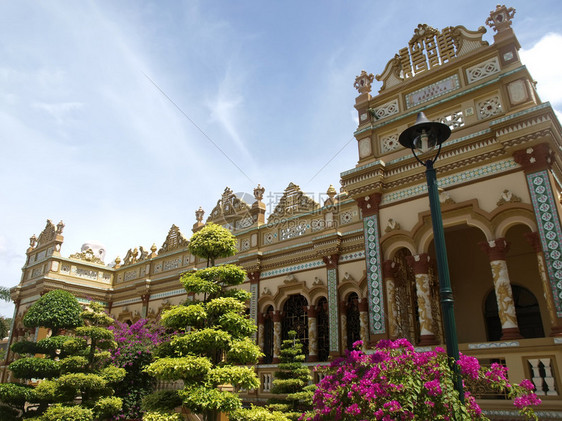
<point x="361" y="264"/>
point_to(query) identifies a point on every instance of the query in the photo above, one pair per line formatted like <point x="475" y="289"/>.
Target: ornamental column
<point x="389" y="270"/>
<point x="261" y="328"/>
<point x="420" y="265"/>
<point x="536" y="162"/>
<point x="496" y="251"/>
<point x="331" y="262"/>
<point x="312" y="338"/>
<point x="145" y="300"/>
<point x="370" y="213"/>
<point x="364" y="321"/>
<point x="534" y="240"/>
<point x="254" y="277"/>
<point x="343" y="325"/>
<point x="277" y="317"/>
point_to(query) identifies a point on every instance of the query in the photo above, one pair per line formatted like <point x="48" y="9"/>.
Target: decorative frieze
<point x="489" y="107"/>
<point x="385" y="110"/>
<point x="430" y="92"/>
<point x="131" y="274"/>
<point x="172" y="263"/>
<point x="454" y="120"/>
<point x="293" y="231"/>
<point x="483" y="70"/>
<point x="389" y="143"/>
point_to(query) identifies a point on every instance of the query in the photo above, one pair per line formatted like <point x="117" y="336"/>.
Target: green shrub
<point x="163" y="400"/>
<point x="55" y="310"/>
<point x="16" y="394"/>
<point x="73" y="364"/>
<point x="24" y="347"/>
<point x="35" y="368"/>
<point x="161" y="416"/>
<point x="105" y="407"/>
<point x="67" y="413"/>
<point x="257" y="413"/>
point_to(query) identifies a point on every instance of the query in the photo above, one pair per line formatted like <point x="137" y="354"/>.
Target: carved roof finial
<point x="363" y="82"/>
<point x="500" y="19"/>
<point x="331" y="192"/>
<point x="199" y="214"/>
<point x="60" y="227"/>
<point x="32" y="241"/>
<point x="258" y="193"/>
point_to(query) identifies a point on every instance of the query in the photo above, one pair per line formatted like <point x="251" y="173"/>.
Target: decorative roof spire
<point x="500" y="19"/>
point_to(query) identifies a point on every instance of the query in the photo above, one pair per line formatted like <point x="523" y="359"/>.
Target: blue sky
<point x="88" y="136"/>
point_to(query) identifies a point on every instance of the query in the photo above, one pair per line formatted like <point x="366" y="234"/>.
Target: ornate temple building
<point x="361" y="264"/>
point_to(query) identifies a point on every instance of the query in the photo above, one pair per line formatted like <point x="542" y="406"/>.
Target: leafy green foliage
<point x="213" y="332"/>
<point x="73" y="367"/>
<point x="35" y="368"/>
<point x="107" y="406"/>
<point x="161" y="416"/>
<point x="257" y="413"/>
<point x="291" y="380"/>
<point x="67" y="413"/>
<point x="212" y="242"/>
<point x="17" y="394"/>
<point x="164" y="400"/>
<point x="55" y="310"/>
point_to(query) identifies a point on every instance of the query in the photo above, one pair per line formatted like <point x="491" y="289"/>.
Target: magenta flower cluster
<point x="397" y="383"/>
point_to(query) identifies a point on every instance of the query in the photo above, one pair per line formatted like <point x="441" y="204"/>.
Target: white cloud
<point x="544" y="63"/>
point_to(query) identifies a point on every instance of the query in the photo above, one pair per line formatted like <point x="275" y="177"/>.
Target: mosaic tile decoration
<point x="289" y="269"/>
<point x="491" y="345"/>
<point x="333" y="315"/>
<point x="462" y="177"/>
<point x="129" y="301"/>
<point x="254" y="306"/>
<point x="548" y="222"/>
<point x="167" y="294"/>
<point x="352" y="256"/>
<point x="374" y="274"/>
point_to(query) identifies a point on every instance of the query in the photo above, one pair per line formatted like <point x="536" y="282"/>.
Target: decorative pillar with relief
<point x="364" y="321"/>
<point x="370" y="213"/>
<point x="420" y="265"/>
<point x="534" y="239"/>
<point x="343" y="324"/>
<point x="145" y="300"/>
<point x="331" y="262"/>
<point x="312" y="337"/>
<point x="254" y="277"/>
<point x="496" y="251"/>
<point x="536" y="161"/>
<point x="276" y="336"/>
<point x="389" y="270"/>
<point x="261" y="328"/>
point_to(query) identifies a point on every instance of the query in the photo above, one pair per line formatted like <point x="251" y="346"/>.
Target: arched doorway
<point x="323" y="326"/>
<point x="268" y="335"/>
<point x="353" y="323"/>
<point x="527" y="311"/>
<point x="295" y="318"/>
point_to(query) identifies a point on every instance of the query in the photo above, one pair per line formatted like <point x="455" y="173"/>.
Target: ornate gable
<point x="231" y="211"/>
<point x="49" y="234"/>
<point x="293" y="202"/>
<point x="429" y="48"/>
<point x="175" y="240"/>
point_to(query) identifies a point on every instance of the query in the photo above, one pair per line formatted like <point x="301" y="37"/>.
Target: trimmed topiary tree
<point x="73" y="368"/>
<point x="291" y="380"/>
<point x="214" y="340"/>
<point x="55" y="310"/>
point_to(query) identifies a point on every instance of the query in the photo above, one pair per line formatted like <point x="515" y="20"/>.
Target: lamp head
<point x="424" y="135"/>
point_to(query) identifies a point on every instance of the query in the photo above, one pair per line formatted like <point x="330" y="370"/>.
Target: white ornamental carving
<point x="483" y="70"/>
<point x="489" y="107"/>
<point x="389" y="143"/>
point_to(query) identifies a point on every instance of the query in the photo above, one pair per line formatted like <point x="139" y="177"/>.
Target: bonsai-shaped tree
<point x="214" y="340"/>
<point x="74" y="367"/>
<point x="291" y="380"/>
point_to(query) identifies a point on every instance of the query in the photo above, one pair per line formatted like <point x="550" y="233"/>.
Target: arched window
<point x="268" y="335"/>
<point x="353" y="323"/>
<point x="295" y="318"/>
<point x="323" y="324"/>
<point x="527" y="311"/>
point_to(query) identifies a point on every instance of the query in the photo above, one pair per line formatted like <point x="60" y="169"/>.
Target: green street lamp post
<point x="425" y="136"/>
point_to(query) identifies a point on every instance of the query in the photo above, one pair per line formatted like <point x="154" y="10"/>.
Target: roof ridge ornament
<point x="500" y="19"/>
